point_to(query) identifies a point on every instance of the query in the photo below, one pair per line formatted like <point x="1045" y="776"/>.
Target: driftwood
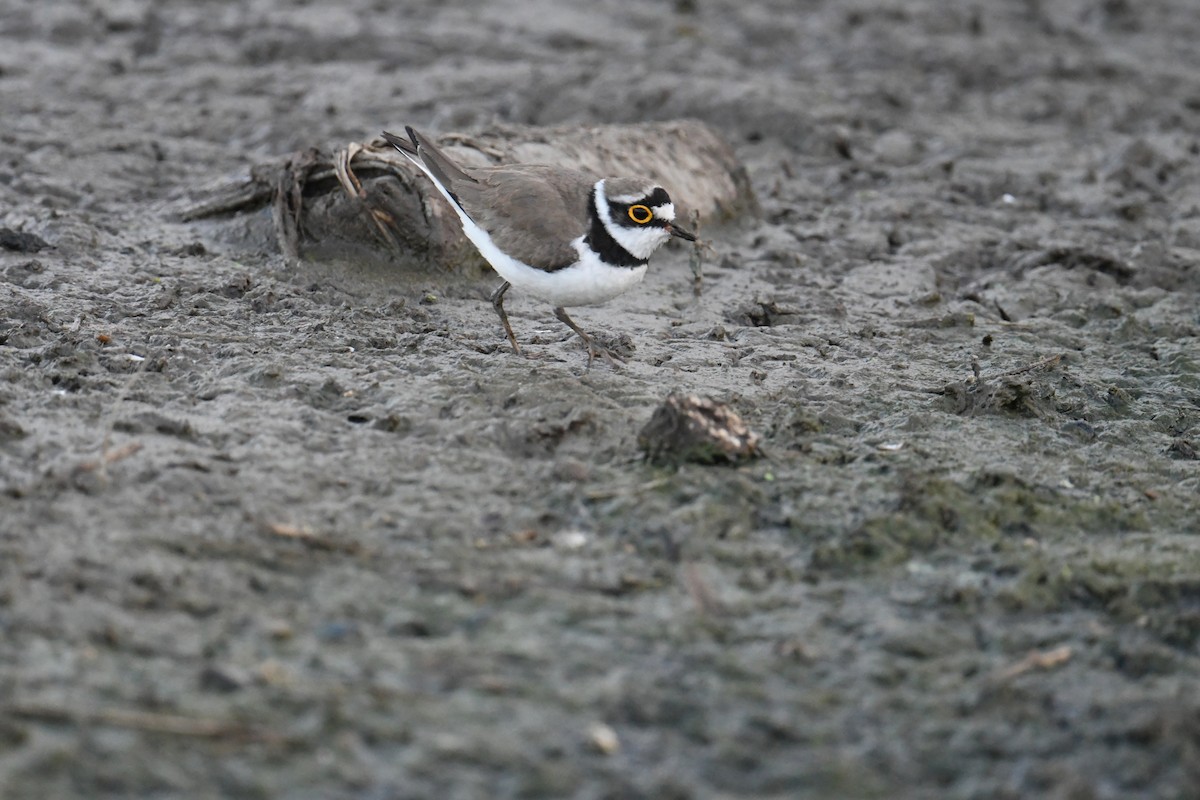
<point x="369" y="195"/>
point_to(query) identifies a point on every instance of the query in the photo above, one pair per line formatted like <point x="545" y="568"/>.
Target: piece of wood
<point x="368" y="197"/>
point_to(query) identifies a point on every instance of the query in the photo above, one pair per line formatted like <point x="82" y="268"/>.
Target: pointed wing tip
<point x="400" y="143"/>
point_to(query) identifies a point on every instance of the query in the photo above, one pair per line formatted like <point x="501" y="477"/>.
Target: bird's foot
<point x="606" y="350"/>
<point x="594" y="349"/>
<point x="615" y="349"/>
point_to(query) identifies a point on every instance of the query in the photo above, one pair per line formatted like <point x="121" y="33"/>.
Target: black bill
<point x="682" y="233"/>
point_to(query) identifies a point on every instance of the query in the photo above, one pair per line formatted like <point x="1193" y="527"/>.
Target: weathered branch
<point x="367" y="194"/>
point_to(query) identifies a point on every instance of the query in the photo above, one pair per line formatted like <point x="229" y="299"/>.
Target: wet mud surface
<point x="312" y="531"/>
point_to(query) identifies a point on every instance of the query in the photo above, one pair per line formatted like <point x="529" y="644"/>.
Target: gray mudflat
<point x="314" y="532"/>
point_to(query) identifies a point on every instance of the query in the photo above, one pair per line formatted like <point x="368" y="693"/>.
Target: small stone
<point x="575" y="471"/>
<point x="604" y="739"/>
<point x="222" y="678"/>
<point x="569" y="540"/>
<point x="896" y="147"/>
<point x="9" y="429"/>
<point x="273" y="673"/>
<point x="525" y="536"/>
<point x="279" y="629"/>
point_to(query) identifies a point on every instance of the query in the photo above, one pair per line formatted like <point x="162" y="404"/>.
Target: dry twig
<point x="1037" y="659"/>
<point x="148" y="721"/>
<point x="309" y="537"/>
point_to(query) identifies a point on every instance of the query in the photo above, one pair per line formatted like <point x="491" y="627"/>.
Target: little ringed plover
<point x="560" y="234"/>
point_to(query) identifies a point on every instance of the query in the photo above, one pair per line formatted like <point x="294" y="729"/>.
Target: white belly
<point x="587" y="282"/>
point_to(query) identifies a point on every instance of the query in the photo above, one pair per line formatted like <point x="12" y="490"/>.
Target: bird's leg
<point x="592" y="348"/>
<point x="498" y="304"/>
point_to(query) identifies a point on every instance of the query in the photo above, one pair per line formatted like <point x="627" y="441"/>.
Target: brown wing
<point x="532" y="212"/>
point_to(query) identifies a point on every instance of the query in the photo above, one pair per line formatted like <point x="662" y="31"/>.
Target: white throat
<point x="638" y="242"/>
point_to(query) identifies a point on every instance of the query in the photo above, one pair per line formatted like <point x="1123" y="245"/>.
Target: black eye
<point x="640" y="214"/>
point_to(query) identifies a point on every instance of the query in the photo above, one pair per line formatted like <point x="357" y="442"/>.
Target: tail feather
<point x="406" y="147"/>
<point x="438" y="162"/>
<point x="448" y="176"/>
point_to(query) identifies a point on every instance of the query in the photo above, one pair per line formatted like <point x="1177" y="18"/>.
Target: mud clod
<point x="701" y="430"/>
<point x="21" y="242"/>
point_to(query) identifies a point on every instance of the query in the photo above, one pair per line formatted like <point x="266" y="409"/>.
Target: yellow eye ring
<point x="640" y="214"/>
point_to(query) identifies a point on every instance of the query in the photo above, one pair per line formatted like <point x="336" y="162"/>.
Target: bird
<point x="562" y="235"/>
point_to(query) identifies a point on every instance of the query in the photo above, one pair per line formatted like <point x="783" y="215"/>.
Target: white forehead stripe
<point x="602" y="204"/>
